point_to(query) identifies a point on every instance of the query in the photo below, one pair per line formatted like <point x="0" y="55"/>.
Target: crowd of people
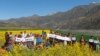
<point x="46" y="40"/>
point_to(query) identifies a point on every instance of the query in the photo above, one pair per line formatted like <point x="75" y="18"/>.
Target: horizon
<point x="24" y="8"/>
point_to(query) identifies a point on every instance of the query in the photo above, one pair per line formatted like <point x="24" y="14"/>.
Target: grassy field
<point x="57" y="50"/>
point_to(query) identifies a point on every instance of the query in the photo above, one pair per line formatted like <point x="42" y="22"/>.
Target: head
<point x="64" y="35"/>
<point x="24" y="31"/>
<point x="16" y="35"/>
<point x="19" y="36"/>
<point x="40" y="36"/>
<point x="10" y="33"/>
<point x="69" y="34"/>
<point x="42" y="30"/>
<point x="45" y="33"/>
<point x="91" y="37"/>
<point x="73" y="35"/>
<point x="28" y="35"/>
<point x="36" y="35"/>
<point x="21" y="32"/>
<point x="6" y="32"/>
<point x="51" y="31"/>
<point x="82" y="38"/>
<point x="97" y="38"/>
<point x="31" y="33"/>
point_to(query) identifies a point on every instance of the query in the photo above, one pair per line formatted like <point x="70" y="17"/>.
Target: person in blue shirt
<point x="38" y="39"/>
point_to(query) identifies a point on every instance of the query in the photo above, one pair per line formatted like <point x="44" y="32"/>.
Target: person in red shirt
<point x="6" y="38"/>
<point x="82" y="40"/>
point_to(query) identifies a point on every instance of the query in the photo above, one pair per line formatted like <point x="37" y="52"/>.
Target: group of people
<point x="94" y="43"/>
<point x="31" y="40"/>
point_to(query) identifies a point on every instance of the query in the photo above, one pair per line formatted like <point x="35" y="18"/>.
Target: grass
<point x="57" y="50"/>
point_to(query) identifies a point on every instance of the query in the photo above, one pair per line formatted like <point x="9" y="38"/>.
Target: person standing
<point x="10" y="42"/>
<point x="65" y="41"/>
<point x="6" y="38"/>
<point x="91" y="41"/>
<point x="70" y="39"/>
<point x="96" y="44"/>
<point x="73" y="39"/>
<point x="23" y="34"/>
<point x="38" y="39"/>
<point x="30" y="42"/>
<point x="82" y="40"/>
<point x="44" y="36"/>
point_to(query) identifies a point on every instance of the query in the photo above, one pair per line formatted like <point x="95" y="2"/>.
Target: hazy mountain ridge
<point x="80" y="17"/>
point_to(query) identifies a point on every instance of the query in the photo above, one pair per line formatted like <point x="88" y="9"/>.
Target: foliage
<point x="57" y="50"/>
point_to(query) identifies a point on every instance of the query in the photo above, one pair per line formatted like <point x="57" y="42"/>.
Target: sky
<point x="23" y="8"/>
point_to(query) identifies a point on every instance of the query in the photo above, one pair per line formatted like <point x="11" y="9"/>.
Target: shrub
<point x="57" y="50"/>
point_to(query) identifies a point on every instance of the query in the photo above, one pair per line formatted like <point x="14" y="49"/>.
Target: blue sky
<point x="24" y="8"/>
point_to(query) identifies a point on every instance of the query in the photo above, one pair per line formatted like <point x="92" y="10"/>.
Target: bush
<point x="57" y="50"/>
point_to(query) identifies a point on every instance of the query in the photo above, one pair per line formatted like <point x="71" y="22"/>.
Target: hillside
<point x="79" y="17"/>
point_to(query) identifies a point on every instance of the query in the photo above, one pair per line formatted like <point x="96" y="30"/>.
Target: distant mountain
<point x="79" y="17"/>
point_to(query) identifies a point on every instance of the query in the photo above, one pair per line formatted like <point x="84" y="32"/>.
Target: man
<point x="96" y="44"/>
<point x="30" y="40"/>
<point x="23" y="34"/>
<point x="91" y="41"/>
<point x="6" y="38"/>
<point x="44" y="35"/>
<point x="82" y="40"/>
<point x="69" y="38"/>
<point x="9" y="45"/>
<point x="73" y="39"/>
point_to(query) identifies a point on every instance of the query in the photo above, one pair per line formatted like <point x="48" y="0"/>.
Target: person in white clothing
<point x="73" y="39"/>
<point x="23" y="34"/>
<point x="31" y="34"/>
<point x="16" y="36"/>
<point x="91" y="41"/>
<point x="96" y="44"/>
<point x="69" y="41"/>
<point x="51" y="37"/>
<point x="65" y="40"/>
<point x="30" y="40"/>
<point x="18" y="39"/>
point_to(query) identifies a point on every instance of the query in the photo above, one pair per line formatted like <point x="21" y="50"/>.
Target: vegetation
<point x="57" y="50"/>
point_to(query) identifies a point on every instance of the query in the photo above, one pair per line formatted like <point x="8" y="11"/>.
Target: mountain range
<point x="79" y="17"/>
